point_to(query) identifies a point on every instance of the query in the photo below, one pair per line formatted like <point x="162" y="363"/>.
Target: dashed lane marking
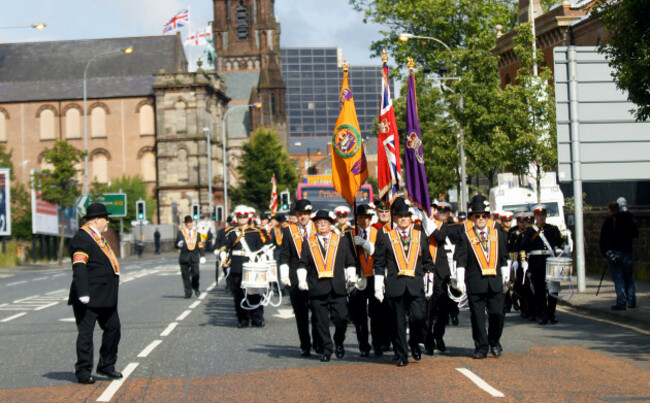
<point x="115" y="385"/>
<point x="169" y="329"/>
<point x="480" y="382"/>
<point x="145" y="352"/>
<point x="40" y="279"/>
<point x="12" y="317"/>
<point x="183" y="315"/>
<point x="15" y="283"/>
<point x="195" y="304"/>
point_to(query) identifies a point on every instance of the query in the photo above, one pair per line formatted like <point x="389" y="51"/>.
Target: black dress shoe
<point x="454" y="320"/>
<point x="632" y="306"/>
<point x="496" y="351"/>
<point x="259" y="324"/>
<point x="417" y="353"/>
<point x="87" y="381"/>
<point x="242" y="325"/>
<point x="428" y="350"/>
<point x="111" y="373"/>
<point x="618" y="307"/>
<point x="365" y="354"/>
<point x="542" y="321"/>
<point x="197" y="293"/>
<point x="395" y="357"/>
<point x="479" y="355"/>
<point x="318" y="350"/>
<point x="379" y="353"/>
<point x="440" y="345"/>
<point x="188" y="296"/>
<point x="340" y="351"/>
<point x="402" y="362"/>
<point x="554" y="320"/>
<point x="304" y="352"/>
<point x="325" y="357"/>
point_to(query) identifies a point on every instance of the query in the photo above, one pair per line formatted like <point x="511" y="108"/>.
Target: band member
<point x="482" y="258"/>
<point x="505" y="217"/>
<point x="542" y="240"/>
<point x="401" y="260"/>
<point x="326" y="268"/>
<point x="361" y="298"/>
<point x="439" y="306"/>
<point x="342" y="216"/>
<point x="383" y="216"/>
<point x="93" y="295"/>
<point x="187" y="240"/>
<point x="240" y="243"/>
<point x="383" y="312"/>
<point x="294" y="235"/>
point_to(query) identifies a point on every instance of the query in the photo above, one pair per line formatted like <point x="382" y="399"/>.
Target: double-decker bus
<point x="323" y="196"/>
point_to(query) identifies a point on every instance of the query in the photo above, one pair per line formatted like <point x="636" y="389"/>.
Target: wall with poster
<point x="46" y="216"/>
<point x="5" y="202"/>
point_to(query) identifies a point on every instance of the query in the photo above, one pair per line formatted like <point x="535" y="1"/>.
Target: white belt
<point x="239" y="253"/>
<point x="540" y="252"/>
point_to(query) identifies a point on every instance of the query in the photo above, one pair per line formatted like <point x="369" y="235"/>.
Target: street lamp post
<point x="37" y="26"/>
<point x="127" y="51"/>
<point x="209" y="144"/>
<point x="223" y="149"/>
<point x="463" y="173"/>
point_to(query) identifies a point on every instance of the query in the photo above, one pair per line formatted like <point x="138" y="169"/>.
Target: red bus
<point x="323" y="196"/>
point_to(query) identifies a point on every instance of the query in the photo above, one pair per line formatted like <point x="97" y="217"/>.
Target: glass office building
<point x="313" y="83"/>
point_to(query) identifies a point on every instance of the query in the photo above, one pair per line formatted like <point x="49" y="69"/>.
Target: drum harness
<point x="557" y="295"/>
<point x="264" y="255"/>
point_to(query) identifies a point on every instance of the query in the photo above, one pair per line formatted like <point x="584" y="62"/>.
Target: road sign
<point x="115" y="203"/>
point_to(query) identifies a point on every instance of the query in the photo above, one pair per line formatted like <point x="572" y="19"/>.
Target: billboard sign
<point x="5" y="202"/>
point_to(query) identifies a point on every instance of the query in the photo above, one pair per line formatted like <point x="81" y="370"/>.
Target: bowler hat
<point x="323" y="215"/>
<point x="96" y="210"/>
<point x="399" y="207"/>
<point x="363" y="209"/>
<point x="302" y="205"/>
<point x="479" y="204"/>
<point x="188" y="218"/>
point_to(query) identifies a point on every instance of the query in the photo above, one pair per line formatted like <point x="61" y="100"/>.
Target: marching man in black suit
<point x="482" y="259"/>
<point x="93" y="295"/>
<point x="187" y="240"/>
<point x="326" y="268"/>
<point x="402" y="258"/>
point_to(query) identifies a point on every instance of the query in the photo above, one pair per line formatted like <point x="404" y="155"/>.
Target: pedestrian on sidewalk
<point x="616" y="237"/>
<point x="156" y="241"/>
<point x="187" y="240"/>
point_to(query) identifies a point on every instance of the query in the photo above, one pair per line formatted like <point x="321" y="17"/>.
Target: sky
<point x="304" y="23"/>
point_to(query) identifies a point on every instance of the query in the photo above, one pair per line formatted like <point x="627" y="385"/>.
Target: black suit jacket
<point x="187" y="256"/>
<point x="96" y="278"/>
<point x="254" y="239"/>
<point x="337" y="284"/>
<point x="385" y="259"/>
<point x="476" y="282"/>
<point x="289" y="254"/>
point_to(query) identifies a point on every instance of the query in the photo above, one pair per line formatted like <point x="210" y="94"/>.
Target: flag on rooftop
<point x="180" y="20"/>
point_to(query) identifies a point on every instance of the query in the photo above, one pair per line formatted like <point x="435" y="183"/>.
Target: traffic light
<point x="284" y="200"/>
<point x="195" y="211"/>
<point x="219" y="213"/>
<point x="140" y="210"/>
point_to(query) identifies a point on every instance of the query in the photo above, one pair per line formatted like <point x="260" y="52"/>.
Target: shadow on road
<point x="61" y="376"/>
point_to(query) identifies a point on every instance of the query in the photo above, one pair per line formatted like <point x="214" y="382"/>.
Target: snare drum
<point x="255" y="275"/>
<point x="559" y="268"/>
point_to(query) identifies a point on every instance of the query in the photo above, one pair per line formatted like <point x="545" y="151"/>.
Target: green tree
<point x="628" y="48"/>
<point x="528" y="107"/>
<point x="58" y="185"/>
<point x="262" y="157"/>
<point x="135" y="188"/>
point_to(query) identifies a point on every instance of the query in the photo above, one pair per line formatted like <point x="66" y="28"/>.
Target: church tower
<point x="247" y="39"/>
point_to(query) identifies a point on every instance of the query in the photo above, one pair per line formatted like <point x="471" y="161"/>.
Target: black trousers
<point x="415" y="308"/>
<point x="300" y="305"/>
<point x="246" y="316"/>
<point x="323" y="308"/>
<point x="190" y="275"/>
<point x="359" y="315"/>
<point x="544" y="305"/>
<point x="439" y="306"/>
<point x="380" y="323"/>
<point x="478" y="303"/>
<point x="109" y="321"/>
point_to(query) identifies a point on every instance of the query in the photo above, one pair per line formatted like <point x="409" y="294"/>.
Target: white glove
<point x="302" y="279"/>
<point x="361" y="283"/>
<point x="368" y="247"/>
<point x="216" y="252"/>
<point x="180" y="244"/>
<point x="227" y="272"/>
<point x="358" y="240"/>
<point x="505" y="274"/>
<point x="351" y="274"/>
<point x="428" y="285"/>
<point x="567" y="250"/>
<point x="515" y="266"/>
<point x="84" y="300"/>
<point x="284" y="275"/>
<point x="379" y="287"/>
<point x="202" y="260"/>
<point x="524" y="267"/>
<point x="460" y="280"/>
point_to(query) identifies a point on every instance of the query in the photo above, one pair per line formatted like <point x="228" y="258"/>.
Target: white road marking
<point x="58" y="275"/>
<point x="211" y="287"/>
<point x="40" y="278"/>
<point x="149" y="348"/>
<point x="203" y="295"/>
<point x="56" y="292"/>
<point x="1" y="305"/>
<point x="480" y="382"/>
<point x="12" y="317"/>
<point x="194" y="305"/>
<point x="24" y="299"/>
<point x="66" y="320"/>
<point x="284" y="314"/>
<point x="15" y="283"/>
<point x="183" y="315"/>
<point x="46" y="306"/>
<point x="169" y="329"/>
<point x="115" y="385"/>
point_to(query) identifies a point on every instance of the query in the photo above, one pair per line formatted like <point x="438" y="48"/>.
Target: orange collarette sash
<point x="324" y="265"/>
<point x="278" y="235"/>
<point x="487" y="259"/>
<point x="405" y="264"/>
<point x="365" y="260"/>
<point x="105" y="247"/>
<point x="433" y="244"/>
<point x="190" y="238"/>
<point x="296" y="235"/>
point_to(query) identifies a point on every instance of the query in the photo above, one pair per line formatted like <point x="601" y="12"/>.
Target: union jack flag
<point x="181" y="19"/>
<point x="388" y="162"/>
<point x="274" y="196"/>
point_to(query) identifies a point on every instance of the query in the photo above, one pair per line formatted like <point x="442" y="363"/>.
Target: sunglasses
<point x="506" y="219"/>
<point x="481" y="215"/>
<point x="241" y="215"/>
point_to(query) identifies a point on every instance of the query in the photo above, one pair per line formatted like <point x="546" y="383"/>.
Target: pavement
<point x="586" y="302"/>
